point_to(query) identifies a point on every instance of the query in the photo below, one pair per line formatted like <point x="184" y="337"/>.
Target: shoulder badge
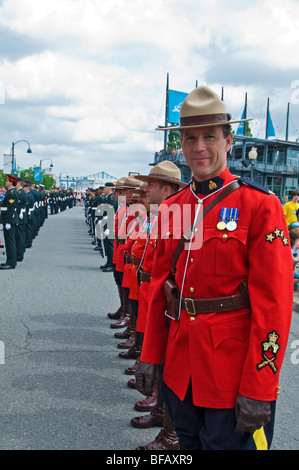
<point x="256" y="186"/>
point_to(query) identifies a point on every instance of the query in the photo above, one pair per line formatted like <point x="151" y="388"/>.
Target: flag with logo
<point x="241" y="127"/>
<point x="175" y="101"/>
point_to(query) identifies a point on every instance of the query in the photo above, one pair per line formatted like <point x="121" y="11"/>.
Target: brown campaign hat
<point x="203" y="108"/>
<point x="119" y="183"/>
<point x="165" y="171"/>
<point x="131" y="183"/>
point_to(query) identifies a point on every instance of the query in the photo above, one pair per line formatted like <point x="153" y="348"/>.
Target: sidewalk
<point x="296" y="301"/>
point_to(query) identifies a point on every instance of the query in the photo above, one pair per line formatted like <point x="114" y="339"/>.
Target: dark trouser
<point x="28" y="232"/>
<point x="212" y="429"/>
<point x="20" y="241"/>
<point x="10" y="245"/>
<point x="108" y="243"/>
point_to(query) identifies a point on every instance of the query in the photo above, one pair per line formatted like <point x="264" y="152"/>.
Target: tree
<point x="174" y="142"/>
<point x="48" y="181"/>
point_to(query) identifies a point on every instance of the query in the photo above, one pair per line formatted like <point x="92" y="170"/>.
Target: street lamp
<point x="13" y="154"/>
<point x="252" y="155"/>
<point x="40" y="167"/>
<point x="67" y="176"/>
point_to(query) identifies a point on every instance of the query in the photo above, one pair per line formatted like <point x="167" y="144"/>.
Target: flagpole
<point x="267" y="119"/>
<point x="287" y="125"/>
<point x="166" y="115"/>
<point x="245" y="115"/>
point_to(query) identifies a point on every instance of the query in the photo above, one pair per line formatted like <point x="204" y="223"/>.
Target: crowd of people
<point x="23" y="211"/>
<point x="205" y="323"/>
<point x="130" y="258"/>
<point x="291" y="212"/>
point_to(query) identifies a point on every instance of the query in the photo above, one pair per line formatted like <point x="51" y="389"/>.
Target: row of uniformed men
<point x="59" y="200"/>
<point x="100" y="207"/>
<point x="134" y="239"/>
<point x="22" y="213"/>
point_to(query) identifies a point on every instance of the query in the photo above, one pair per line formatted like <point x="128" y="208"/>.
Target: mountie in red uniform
<point x="237" y="350"/>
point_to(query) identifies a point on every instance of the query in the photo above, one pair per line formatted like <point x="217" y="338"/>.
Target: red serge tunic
<point x="137" y="253"/>
<point x="133" y="228"/>
<point x="147" y="266"/>
<point x="239" y="351"/>
<point x="124" y="219"/>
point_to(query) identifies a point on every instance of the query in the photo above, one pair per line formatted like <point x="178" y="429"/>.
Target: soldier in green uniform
<point x="29" y="229"/>
<point x="108" y="204"/>
<point x="100" y="197"/>
<point x="23" y="220"/>
<point x="10" y="219"/>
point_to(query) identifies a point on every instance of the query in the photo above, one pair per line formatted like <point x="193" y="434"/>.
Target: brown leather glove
<point x="145" y="375"/>
<point x="251" y="414"/>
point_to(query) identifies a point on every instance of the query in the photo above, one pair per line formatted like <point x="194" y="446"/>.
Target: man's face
<point x="154" y="192"/>
<point x="296" y="198"/>
<point x="205" y="150"/>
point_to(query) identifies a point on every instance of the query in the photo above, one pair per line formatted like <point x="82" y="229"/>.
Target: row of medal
<point x="228" y="219"/>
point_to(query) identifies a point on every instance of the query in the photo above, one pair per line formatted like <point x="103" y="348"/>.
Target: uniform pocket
<point x="230" y="344"/>
<point x="223" y="250"/>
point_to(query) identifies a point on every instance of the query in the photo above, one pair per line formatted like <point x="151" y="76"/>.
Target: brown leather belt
<point x="127" y="259"/>
<point x="144" y="277"/>
<point x="136" y="261"/>
<point x="218" y="304"/>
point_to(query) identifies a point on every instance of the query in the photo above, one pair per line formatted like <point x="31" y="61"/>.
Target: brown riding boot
<point x="166" y="439"/>
<point x="155" y="418"/>
<point x="130" y="328"/>
<point x="127" y="344"/>
<point x="116" y="315"/>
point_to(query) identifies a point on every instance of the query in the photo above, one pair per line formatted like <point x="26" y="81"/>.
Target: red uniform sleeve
<point x="270" y="284"/>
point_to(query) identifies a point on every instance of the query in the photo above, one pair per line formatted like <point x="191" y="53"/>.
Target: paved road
<point x="62" y="383"/>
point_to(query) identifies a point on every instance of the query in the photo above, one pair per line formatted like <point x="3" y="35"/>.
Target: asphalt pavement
<point x="63" y="385"/>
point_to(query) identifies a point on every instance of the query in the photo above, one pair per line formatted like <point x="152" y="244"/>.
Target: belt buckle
<point x="193" y="306"/>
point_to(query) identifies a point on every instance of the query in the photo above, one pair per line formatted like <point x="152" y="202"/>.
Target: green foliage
<point x="28" y="174"/>
<point x="174" y="142"/>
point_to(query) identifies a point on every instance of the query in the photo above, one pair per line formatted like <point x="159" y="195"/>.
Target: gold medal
<point x="221" y="225"/>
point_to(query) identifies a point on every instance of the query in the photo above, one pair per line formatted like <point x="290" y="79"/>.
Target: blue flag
<point x="241" y="127"/>
<point x="36" y="174"/>
<point x="175" y="101"/>
<point x="270" y="130"/>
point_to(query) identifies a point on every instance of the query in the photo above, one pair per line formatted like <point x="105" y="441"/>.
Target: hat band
<point x="205" y="119"/>
<point x="172" y="178"/>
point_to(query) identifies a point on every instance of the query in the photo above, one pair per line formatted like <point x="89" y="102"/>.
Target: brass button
<point x="224" y="236"/>
<point x="195" y="230"/>
<point x="168" y="233"/>
<point x="192" y="318"/>
<point x="191" y="260"/>
<point x="191" y="289"/>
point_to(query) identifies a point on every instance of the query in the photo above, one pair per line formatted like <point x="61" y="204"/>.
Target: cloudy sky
<point x="84" y="80"/>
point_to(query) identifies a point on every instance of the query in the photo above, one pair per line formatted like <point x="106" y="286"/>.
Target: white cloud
<point x="95" y="90"/>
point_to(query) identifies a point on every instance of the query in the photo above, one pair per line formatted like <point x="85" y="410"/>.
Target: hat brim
<point x="147" y="178"/>
<point x="210" y="124"/>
